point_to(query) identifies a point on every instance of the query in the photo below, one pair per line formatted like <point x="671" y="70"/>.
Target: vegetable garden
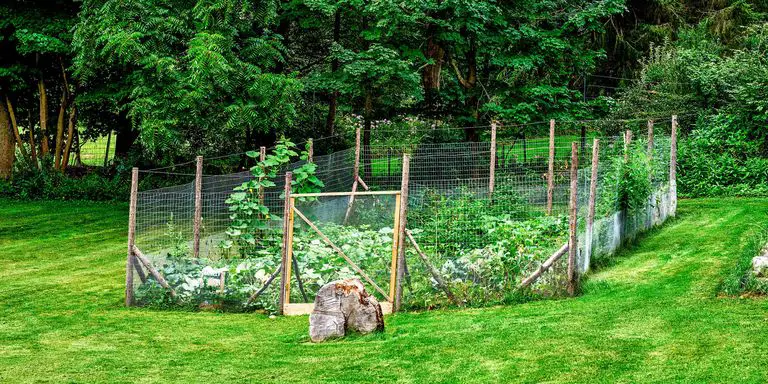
<point x="423" y="224"/>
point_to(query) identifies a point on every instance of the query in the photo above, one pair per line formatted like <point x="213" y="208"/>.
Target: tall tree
<point x="200" y="75"/>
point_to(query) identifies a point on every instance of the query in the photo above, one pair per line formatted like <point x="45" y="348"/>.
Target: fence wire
<point x="483" y="243"/>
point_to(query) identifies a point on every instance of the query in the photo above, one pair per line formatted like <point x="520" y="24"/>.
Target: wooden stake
<point x="401" y="232"/>
<point x="139" y="271"/>
<point x="265" y="286"/>
<point x="492" y="170"/>
<point x="395" y="242"/>
<point x="363" y="184"/>
<point x="152" y="271"/>
<point x="311" y="152"/>
<point x="262" y="157"/>
<point x="627" y="142"/>
<point x="289" y="247"/>
<point x="284" y="282"/>
<point x="356" y="176"/>
<point x="591" y="205"/>
<point x="544" y="266"/>
<point x="198" y="206"/>
<point x="342" y="254"/>
<point x="572" y="243"/>
<point x="551" y="166"/>
<point x="673" y="165"/>
<point x="295" y="264"/>
<point x="650" y="139"/>
<point x="130" y="261"/>
<point x="432" y="270"/>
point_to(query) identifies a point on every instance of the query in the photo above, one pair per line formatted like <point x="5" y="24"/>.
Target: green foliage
<point x="198" y="72"/>
<point x="723" y="82"/>
<point x="723" y="157"/>
<point x="249" y="231"/>
<point x="50" y="184"/>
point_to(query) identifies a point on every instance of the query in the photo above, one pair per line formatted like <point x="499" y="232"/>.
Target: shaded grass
<point x="652" y="316"/>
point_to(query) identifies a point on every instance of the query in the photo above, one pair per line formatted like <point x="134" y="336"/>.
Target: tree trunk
<point x="15" y="128"/>
<point x="70" y="136"/>
<point x="430" y="77"/>
<point x="60" y="133"/>
<point x="32" y="144"/>
<point x="43" y="117"/>
<point x="330" y="122"/>
<point x="78" y="160"/>
<point x="469" y="83"/>
<point x="367" y="117"/>
<point x="126" y="135"/>
<point x="7" y="152"/>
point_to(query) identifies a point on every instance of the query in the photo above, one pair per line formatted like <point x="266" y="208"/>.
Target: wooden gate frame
<point x="289" y="308"/>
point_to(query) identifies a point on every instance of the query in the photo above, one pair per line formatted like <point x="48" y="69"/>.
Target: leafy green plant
<point x="249" y="229"/>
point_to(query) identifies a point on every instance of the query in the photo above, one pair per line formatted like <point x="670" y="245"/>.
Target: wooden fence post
<point x="492" y="170"/>
<point x="573" y="241"/>
<point x="131" y="259"/>
<point x="551" y="167"/>
<point x="198" y="205"/>
<point x="311" y="152"/>
<point x="627" y="142"/>
<point x="356" y="176"/>
<point x="650" y="138"/>
<point x="401" y="232"/>
<point x="591" y="207"/>
<point x="286" y="242"/>
<point x="262" y="157"/>
<point x="673" y="165"/>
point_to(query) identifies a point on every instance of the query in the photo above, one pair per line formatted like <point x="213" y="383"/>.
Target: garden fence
<point x="482" y="222"/>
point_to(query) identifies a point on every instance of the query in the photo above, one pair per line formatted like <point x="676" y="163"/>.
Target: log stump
<point x="342" y="306"/>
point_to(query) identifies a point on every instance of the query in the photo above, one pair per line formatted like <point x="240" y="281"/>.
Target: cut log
<point x="342" y="306"/>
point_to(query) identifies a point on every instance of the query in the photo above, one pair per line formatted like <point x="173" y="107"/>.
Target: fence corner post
<point x="198" y="205"/>
<point x="573" y="238"/>
<point x="673" y="165"/>
<point x="286" y="240"/>
<point x="401" y="233"/>
<point x="131" y="259"/>
<point x="492" y="170"/>
<point x="551" y="166"/>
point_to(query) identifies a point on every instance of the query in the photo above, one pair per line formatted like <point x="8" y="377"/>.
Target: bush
<point x="723" y="157"/>
<point x="91" y="184"/>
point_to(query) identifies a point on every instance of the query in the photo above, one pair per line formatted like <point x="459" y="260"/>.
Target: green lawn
<point x="651" y="317"/>
<point x="93" y="151"/>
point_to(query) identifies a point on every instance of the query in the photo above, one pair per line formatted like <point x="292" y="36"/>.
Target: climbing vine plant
<point x="248" y="231"/>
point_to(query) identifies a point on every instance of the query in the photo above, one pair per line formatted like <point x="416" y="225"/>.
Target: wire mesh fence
<point x="480" y="229"/>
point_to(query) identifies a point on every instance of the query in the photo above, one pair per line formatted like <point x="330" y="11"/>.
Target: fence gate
<point x="349" y="231"/>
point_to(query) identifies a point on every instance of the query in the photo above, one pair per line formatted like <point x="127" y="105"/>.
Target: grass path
<point x="651" y="317"/>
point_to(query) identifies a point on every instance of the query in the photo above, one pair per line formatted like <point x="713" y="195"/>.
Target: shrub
<point x="723" y="157"/>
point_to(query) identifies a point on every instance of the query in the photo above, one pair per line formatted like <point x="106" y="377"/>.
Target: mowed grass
<point x="653" y="316"/>
<point x="508" y="152"/>
<point x="93" y="151"/>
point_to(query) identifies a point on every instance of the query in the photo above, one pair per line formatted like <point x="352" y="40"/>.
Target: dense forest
<point x="174" y="79"/>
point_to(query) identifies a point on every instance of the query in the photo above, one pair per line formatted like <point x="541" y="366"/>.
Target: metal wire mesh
<point x="482" y="242"/>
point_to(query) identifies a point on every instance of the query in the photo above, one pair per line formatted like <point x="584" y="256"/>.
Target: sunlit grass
<point x="653" y="316"/>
